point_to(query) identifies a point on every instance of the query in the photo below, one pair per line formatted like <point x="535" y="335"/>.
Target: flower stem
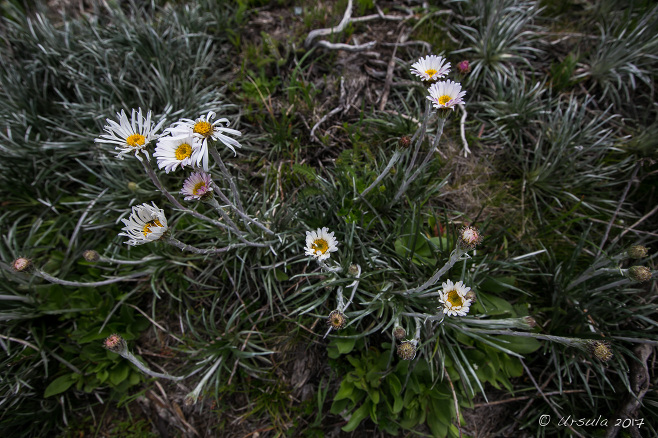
<point x="214" y="204"/>
<point x="455" y="255"/>
<point x="323" y="265"/>
<point x="128" y="262"/>
<point x="158" y="184"/>
<point x="143" y="368"/>
<point x="391" y="163"/>
<point x="234" y="189"/>
<point x="50" y="278"/>
<point x="194" y="249"/>
<point x="430" y="153"/>
<point x="244" y="216"/>
<point x="419" y="135"/>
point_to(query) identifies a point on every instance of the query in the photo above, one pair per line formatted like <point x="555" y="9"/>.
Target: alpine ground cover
<point x="353" y="217"/>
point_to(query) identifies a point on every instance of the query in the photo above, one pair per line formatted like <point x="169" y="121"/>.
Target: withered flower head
<point x="639" y="273"/>
<point x="91" y="256"/>
<point x="407" y="350"/>
<point x="600" y="349"/>
<point x="637" y="252"/>
<point x="399" y="333"/>
<point x="336" y="320"/>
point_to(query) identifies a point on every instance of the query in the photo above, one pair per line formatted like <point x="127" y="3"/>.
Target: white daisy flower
<point x="132" y="135"/>
<point x="453" y="298"/>
<point x="198" y="185"/>
<point x="430" y="68"/>
<point x="320" y="243"/>
<point x="203" y="129"/>
<point x="446" y="94"/>
<point x="147" y="223"/>
<point x="172" y="151"/>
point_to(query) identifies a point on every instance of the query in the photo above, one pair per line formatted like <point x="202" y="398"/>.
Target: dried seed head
<point x="115" y="343"/>
<point x="404" y="142"/>
<point x="637" y="252"/>
<point x="469" y="237"/>
<point x="464" y="67"/>
<point x="337" y="320"/>
<point x="639" y="273"/>
<point x="600" y="349"/>
<point x="399" y="333"/>
<point x="91" y="256"/>
<point x="21" y="264"/>
<point x="407" y="350"/>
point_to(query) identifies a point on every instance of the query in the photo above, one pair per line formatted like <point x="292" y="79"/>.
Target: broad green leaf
<point x="59" y="385"/>
<point x="358" y="416"/>
<point x="518" y="344"/>
<point x="345" y="390"/>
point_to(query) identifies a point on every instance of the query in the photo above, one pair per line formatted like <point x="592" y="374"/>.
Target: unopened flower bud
<point x="91" y="256"/>
<point x="404" y="142"/>
<point x="639" y="273"/>
<point x="600" y="349"/>
<point x="132" y="186"/>
<point x="21" y="264"/>
<point x="353" y="270"/>
<point x="464" y="67"/>
<point x="407" y="350"/>
<point x="399" y="333"/>
<point x="530" y="321"/>
<point x="637" y="252"/>
<point x="469" y="237"/>
<point x="116" y="344"/>
<point x="336" y="320"/>
<point x="470" y="295"/>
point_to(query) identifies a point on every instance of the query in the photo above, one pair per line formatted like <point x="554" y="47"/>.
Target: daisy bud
<point x="404" y="142"/>
<point x="116" y="344"/>
<point x="470" y="295"/>
<point x="469" y="237"/>
<point x="353" y="270"/>
<point x="530" y="321"/>
<point x="91" y="256"/>
<point x="337" y="320"/>
<point x="21" y="264"/>
<point x="132" y="186"/>
<point x="600" y="349"/>
<point x="407" y="350"/>
<point x="399" y="333"/>
<point x="639" y="273"/>
<point x="464" y="67"/>
<point x="637" y="252"/>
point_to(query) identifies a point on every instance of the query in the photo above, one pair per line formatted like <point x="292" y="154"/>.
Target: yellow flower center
<point x="320" y="245"/>
<point x="198" y="187"/>
<point x="444" y="99"/>
<point x="204" y="128"/>
<point x="455" y="299"/>
<point x="147" y="226"/>
<point x="430" y="72"/>
<point x="136" y="140"/>
<point x="183" y="151"/>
